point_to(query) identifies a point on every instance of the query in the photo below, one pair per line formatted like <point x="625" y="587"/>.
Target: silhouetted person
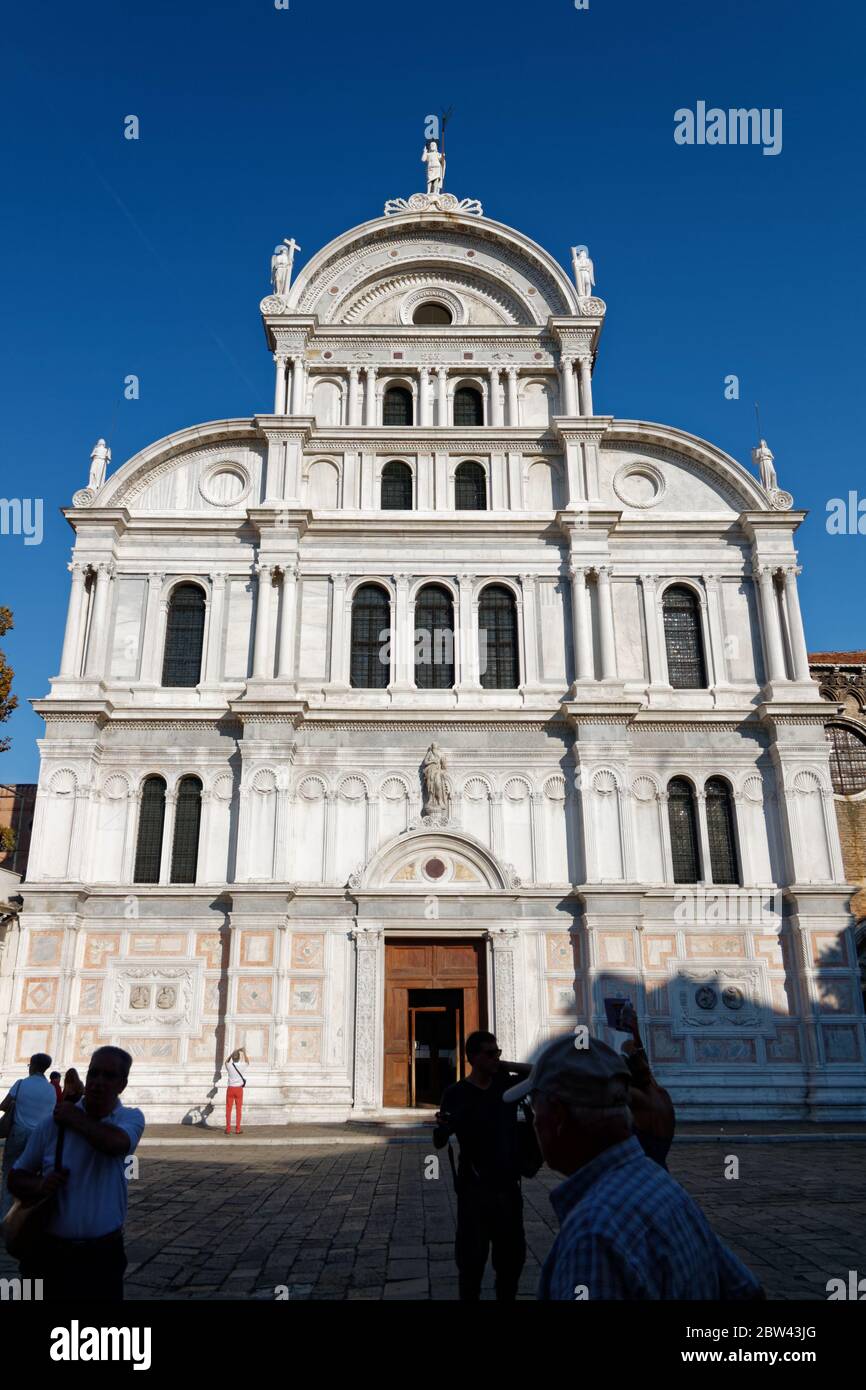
<point x="627" y="1228"/>
<point x="489" y="1198"/>
<point x="34" y="1099"/>
<point x="54" y="1078"/>
<point x="651" y="1105"/>
<point x="81" y="1254"/>
<point x="73" y="1086"/>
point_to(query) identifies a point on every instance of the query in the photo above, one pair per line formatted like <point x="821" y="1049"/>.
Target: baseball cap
<point x="593" y="1075"/>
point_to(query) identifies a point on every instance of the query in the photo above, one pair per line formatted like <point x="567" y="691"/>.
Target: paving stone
<point x="235" y="1223"/>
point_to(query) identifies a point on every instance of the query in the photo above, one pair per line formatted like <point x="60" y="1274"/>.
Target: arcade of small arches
<point x="437" y="396"/>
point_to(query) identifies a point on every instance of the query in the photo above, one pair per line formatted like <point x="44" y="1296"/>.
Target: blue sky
<point x="150" y="256"/>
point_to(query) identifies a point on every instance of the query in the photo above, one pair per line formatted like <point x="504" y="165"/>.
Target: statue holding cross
<point x="281" y="266"/>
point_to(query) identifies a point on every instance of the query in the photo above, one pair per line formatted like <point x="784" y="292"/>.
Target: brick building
<point x="17" y="803"/>
<point x="842" y="678"/>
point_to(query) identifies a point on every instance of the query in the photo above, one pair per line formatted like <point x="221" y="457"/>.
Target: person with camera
<point x="650" y="1104"/>
<point x="489" y="1170"/>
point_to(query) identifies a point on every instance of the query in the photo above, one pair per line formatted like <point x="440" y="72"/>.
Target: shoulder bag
<point x="25" y="1221"/>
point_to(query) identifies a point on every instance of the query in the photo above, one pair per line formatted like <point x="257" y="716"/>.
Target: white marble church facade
<point x="229" y="857"/>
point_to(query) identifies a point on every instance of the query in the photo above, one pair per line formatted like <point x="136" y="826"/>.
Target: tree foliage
<point x="8" y="702"/>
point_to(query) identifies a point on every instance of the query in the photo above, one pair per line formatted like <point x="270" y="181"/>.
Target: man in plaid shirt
<point x="627" y="1228"/>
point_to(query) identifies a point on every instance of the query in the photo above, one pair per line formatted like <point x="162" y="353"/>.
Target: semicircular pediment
<point x="433" y="861"/>
<point x="500" y="260"/>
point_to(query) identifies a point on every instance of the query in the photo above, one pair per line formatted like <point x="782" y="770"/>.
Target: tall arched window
<point x="470" y="488"/>
<point x="434" y="639"/>
<point x="397" y="406"/>
<point x="497" y="639"/>
<point x="720" y="830"/>
<point x="371" y="638"/>
<point x="432" y="313"/>
<point x="468" y="406"/>
<point x="184" y="637"/>
<point x="684" y="831"/>
<point x="148" y="850"/>
<point x="396" y="487"/>
<point x="847" y="760"/>
<point x="187" y="820"/>
<point x="683" y="639"/>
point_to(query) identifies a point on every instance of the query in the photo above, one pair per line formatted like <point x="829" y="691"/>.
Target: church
<point x="430" y="698"/>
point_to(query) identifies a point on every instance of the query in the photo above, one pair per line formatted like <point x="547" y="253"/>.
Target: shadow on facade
<point x="200" y="1114"/>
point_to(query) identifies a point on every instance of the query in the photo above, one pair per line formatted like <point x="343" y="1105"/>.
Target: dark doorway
<point x="435" y="1043"/>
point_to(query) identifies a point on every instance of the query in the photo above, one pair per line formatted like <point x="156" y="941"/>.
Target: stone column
<point x="506" y="975"/>
<point x="286" y="662"/>
<point x="370" y="398"/>
<point x="403" y="646"/>
<point x="530" y="631"/>
<point x="568" y="385"/>
<point x="299" y="385"/>
<point x="98" y="622"/>
<point x="540" y="872"/>
<point x="796" y="634"/>
<point x="584" y="365"/>
<point x="713" y="585"/>
<point x="202" y="868"/>
<point x="468" y="644"/>
<point x="442" y="396"/>
<point x="513" y="411"/>
<point x="605" y="619"/>
<point x="705" y="873"/>
<point x="280" y="359"/>
<point x="130" y="838"/>
<point x="770" y="623"/>
<point x="69" y="661"/>
<point x="168" y="835"/>
<point x="150" y="646"/>
<point x="353" y="397"/>
<point x="495" y="399"/>
<point x="213" y="666"/>
<point x="648" y="583"/>
<point x="262" y="667"/>
<point x="581" y="626"/>
<point x="424" y="402"/>
<point x="338" y="644"/>
<point x="369" y="991"/>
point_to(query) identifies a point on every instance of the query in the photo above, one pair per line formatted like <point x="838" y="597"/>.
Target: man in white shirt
<point x="235" y="1089"/>
<point x="34" y="1099"/>
<point x="81" y="1254"/>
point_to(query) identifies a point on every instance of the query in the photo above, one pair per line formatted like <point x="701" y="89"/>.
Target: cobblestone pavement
<point x="365" y="1223"/>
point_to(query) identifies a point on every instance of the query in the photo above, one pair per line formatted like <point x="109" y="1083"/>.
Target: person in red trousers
<point x="235" y="1092"/>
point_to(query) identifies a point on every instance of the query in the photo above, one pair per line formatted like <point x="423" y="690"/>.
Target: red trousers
<point x="234" y="1097"/>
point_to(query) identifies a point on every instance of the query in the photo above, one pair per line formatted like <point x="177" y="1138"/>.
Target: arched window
<point x="371" y="638"/>
<point x="432" y="313"/>
<point x="397" y="406"/>
<point x="184" y="851"/>
<point x="497" y="639"/>
<point x="396" y="487"/>
<point x="684" y="831"/>
<point x="468" y="406"/>
<point x="683" y="640"/>
<point x="184" y="636"/>
<point x="434" y="639"/>
<point x="470" y="488"/>
<point x="720" y="829"/>
<point x="847" y="760"/>
<point x="148" y="851"/>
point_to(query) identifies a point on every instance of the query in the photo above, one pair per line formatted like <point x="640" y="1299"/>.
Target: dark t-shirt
<point x="486" y="1130"/>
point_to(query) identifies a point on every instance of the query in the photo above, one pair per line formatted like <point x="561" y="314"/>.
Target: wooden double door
<point x="434" y="998"/>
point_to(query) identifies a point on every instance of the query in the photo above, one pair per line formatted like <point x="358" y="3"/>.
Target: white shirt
<point x="93" y="1201"/>
<point x="235" y="1078"/>
<point x="35" y="1100"/>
